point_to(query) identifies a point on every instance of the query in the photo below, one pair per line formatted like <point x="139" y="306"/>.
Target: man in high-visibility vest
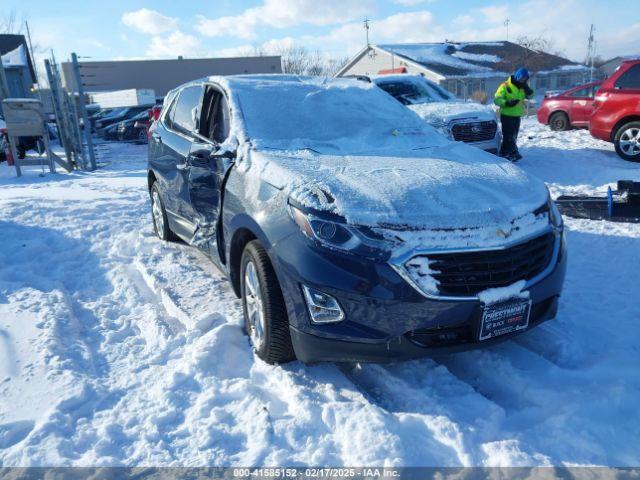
<point x="510" y="98"/>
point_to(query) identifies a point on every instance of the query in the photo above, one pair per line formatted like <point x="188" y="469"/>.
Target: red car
<point x="616" y="115"/>
<point x="568" y="109"/>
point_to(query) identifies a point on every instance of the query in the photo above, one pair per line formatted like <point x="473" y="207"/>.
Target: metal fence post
<point x="83" y="112"/>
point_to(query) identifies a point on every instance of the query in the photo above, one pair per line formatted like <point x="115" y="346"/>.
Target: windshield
<point x="336" y="116"/>
<point x="415" y="91"/>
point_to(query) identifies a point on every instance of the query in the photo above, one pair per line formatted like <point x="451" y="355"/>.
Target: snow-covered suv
<point x="349" y="227"/>
<point x="468" y="122"/>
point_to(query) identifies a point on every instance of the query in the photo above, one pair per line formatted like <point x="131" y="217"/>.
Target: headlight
<point x="555" y="217"/>
<point x="340" y="236"/>
<point x="443" y="128"/>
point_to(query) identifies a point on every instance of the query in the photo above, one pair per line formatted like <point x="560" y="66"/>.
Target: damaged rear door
<point x="208" y="165"/>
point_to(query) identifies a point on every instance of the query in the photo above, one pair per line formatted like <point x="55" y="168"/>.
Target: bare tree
<point x="299" y="60"/>
<point x="540" y="43"/>
<point x="10" y="23"/>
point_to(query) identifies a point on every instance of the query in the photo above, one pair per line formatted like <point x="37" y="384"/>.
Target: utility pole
<point x="366" y="28"/>
<point x="506" y="24"/>
<point x="591" y="48"/>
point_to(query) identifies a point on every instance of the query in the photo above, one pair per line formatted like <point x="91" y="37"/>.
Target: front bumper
<point x="386" y="318"/>
<point x="429" y="342"/>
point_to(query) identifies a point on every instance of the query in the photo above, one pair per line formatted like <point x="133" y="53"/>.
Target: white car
<point x="468" y="122"/>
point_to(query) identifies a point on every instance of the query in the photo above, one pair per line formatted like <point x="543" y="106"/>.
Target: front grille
<point x="474" y="131"/>
<point x="469" y="273"/>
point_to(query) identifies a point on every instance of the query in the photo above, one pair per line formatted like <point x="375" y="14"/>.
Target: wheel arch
<point x="151" y="179"/>
<point x="623" y="121"/>
<point x="556" y="111"/>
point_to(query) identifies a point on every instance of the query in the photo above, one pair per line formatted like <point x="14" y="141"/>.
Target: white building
<point x="468" y="68"/>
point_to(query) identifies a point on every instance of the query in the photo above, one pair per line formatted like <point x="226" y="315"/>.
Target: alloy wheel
<point x="255" y="306"/>
<point x="158" y="217"/>
<point x="630" y="141"/>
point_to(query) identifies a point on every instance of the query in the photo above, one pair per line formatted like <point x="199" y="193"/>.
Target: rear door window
<point x="629" y="79"/>
<point x="187" y="109"/>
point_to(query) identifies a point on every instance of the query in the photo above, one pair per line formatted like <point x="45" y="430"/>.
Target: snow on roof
<point x="478" y="59"/>
<point x="15" y="58"/>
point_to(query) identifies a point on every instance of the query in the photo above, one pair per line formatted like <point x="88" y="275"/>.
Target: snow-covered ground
<point x="116" y="348"/>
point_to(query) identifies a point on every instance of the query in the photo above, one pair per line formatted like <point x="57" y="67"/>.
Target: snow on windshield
<point x="329" y="116"/>
<point x="413" y="91"/>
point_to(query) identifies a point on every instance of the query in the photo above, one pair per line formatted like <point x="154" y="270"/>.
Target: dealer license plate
<point x="503" y="318"/>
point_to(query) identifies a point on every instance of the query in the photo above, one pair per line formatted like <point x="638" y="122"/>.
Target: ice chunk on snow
<point x="497" y="295"/>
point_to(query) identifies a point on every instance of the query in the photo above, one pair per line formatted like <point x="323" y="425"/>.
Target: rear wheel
<point x="627" y="141"/>
<point x="265" y="314"/>
<point x="559" y="122"/>
<point x="159" y="215"/>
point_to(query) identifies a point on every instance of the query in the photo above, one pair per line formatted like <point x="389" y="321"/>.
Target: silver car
<point x="468" y="122"/>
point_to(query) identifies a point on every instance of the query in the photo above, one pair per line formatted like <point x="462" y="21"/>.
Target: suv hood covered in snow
<point x="445" y="112"/>
<point x="444" y="187"/>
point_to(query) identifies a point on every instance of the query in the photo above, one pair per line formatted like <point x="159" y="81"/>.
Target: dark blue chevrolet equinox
<point x="351" y="229"/>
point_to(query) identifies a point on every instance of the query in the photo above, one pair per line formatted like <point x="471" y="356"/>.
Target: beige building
<point x="161" y="75"/>
<point x="469" y="67"/>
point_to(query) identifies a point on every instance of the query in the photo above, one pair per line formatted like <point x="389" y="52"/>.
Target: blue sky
<point x="165" y="29"/>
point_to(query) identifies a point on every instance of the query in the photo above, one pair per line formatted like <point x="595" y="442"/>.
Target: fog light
<point x="323" y="308"/>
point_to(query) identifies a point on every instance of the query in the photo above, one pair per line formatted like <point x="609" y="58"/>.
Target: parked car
<point x="94" y="117"/>
<point x="616" y="115"/>
<point x="350" y="229"/>
<point x="467" y="122"/>
<point x="129" y="130"/>
<point x="118" y="115"/>
<point x="569" y="109"/>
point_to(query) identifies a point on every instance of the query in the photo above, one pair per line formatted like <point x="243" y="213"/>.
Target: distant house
<point x="608" y="67"/>
<point x="467" y="68"/>
<point x="161" y="75"/>
<point x="18" y="67"/>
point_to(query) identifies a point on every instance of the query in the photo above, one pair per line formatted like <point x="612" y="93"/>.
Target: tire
<point x="159" y="216"/>
<point x="265" y="316"/>
<point x="142" y="136"/>
<point x="627" y="141"/>
<point x="559" y="122"/>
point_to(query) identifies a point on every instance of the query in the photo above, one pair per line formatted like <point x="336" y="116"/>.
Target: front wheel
<point x="559" y="122"/>
<point x="265" y="314"/>
<point x="159" y="215"/>
<point x="627" y="141"/>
